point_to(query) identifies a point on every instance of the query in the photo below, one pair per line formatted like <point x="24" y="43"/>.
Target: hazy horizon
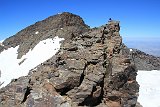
<point x="148" y="45"/>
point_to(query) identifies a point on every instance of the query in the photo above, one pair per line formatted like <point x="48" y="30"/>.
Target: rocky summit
<point x="92" y="68"/>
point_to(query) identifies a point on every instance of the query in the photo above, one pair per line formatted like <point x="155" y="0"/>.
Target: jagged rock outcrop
<point x="92" y="68"/>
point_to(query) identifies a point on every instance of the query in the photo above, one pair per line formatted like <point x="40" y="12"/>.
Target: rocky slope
<point x="62" y="25"/>
<point x="145" y="61"/>
<point x="92" y="68"/>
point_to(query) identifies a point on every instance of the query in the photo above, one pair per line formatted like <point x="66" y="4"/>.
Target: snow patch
<point x="149" y="92"/>
<point x="36" y="32"/>
<point x="59" y="13"/>
<point x="1" y="42"/>
<point x="130" y="50"/>
<point x="11" y="67"/>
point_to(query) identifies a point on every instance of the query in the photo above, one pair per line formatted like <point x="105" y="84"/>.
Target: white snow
<point x="149" y="92"/>
<point x="1" y="42"/>
<point x="9" y="64"/>
<point x="130" y="50"/>
<point x="36" y="32"/>
<point x="59" y="13"/>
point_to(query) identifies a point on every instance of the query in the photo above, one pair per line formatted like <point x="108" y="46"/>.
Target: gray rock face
<point x="92" y="68"/>
<point x="145" y="61"/>
<point x="1" y="48"/>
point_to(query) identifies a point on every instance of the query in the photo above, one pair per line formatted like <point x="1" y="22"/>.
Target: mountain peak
<point x="77" y="65"/>
<point x="62" y="25"/>
<point x="91" y="68"/>
<point x="65" y="19"/>
<point x="58" y="21"/>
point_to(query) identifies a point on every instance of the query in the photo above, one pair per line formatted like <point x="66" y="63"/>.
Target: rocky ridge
<point x="62" y="25"/>
<point x="92" y="68"/>
<point x="145" y="61"/>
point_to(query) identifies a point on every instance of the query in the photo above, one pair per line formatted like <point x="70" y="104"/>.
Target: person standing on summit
<point x="110" y="19"/>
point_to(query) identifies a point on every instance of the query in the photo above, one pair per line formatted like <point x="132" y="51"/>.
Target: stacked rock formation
<point x="92" y="68"/>
<point x="120" y="85"/>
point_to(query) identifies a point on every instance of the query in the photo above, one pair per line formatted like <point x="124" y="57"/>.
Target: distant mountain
<point x="145" y="61"/>
<point x="147" y="45"/>
<point x="62" y="62"/>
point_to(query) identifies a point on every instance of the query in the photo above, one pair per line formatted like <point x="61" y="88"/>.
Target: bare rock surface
<point x="145" y="61"/>
<point x="92" y="68"/>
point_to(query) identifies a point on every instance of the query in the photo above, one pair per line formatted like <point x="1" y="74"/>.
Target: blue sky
<point x="139" y="18"/>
